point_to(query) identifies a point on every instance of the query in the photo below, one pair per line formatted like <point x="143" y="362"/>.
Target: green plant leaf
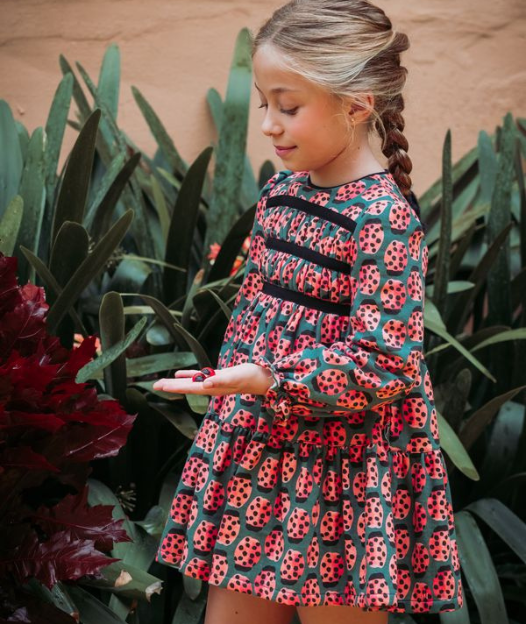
<point x="230" y="156"/>
<point x="452" y="445"/>
<point x="163" y="139"/>
<point x="498" y="285"/>
<point x="509" y="334"/>
<point x="72" y="242"/>
<point x="158" y="362"/>
<point x="88" y="270"/>
<point x="33" y="192"/>
<point x="73" y="191"/>
<point x="487" y="166"/>
<point x="230" y="249"/>
<point x="477" y="422"/>
<point x="192" y="603"/>
<point x="158" y="336"/>
<point x="112" y="327"/>
<point x="130" y="275"/>
<point x="444" y="246"/>
<point x="180" y="419"/>
<point x="453" y="286"/>
<point x="509" y="483"/>
<point x="105" y="183"/>
<point x="182" y="227"/>
<point x="109" y="147"/>
<point x="437" y="328"/>
<point x="154" y="521"/>
<point x="127" y="581"/>
<point x="460" y="616"/>
<point x="58" y="595"/>
<point x="55" y="129"/>
<point x="10" y="225"/>
<point x="52" y="286"/>
<point x="23" y="137"/>
<point x="502" y="447"/>
<point x="479" y="570"/>
<point x="169" y="178"/>
<point x="84" y="109"/>
<point x="177" y="330"/>
<point x="110" y="78"/>
<point x="227" y="311"/>
<point x="461" y="170"/>
<point x="11" y="163"/>
<point x="103" y="213"/>
<point x="110" y="355"/>
<point x="464" y="301"/>
<point x="249" y="185"/>
<point x="159" y="202"/>
<point x="92" y="610"/>
<point x="507" y="525"/>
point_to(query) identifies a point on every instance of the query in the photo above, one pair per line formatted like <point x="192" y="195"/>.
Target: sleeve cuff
<point x="275" y="398"/>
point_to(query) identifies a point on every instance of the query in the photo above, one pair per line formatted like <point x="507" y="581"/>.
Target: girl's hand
<point x="241" y="379"/>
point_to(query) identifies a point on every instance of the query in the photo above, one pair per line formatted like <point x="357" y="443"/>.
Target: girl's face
<point x="298" y="114"/>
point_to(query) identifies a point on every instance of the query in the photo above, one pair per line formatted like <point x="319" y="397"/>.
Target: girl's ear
<point x="360" y="108"/>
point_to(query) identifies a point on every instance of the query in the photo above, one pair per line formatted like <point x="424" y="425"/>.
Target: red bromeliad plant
<point x="50" y="429"/>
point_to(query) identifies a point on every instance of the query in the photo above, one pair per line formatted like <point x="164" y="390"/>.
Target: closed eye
<point x="290" y="111"/>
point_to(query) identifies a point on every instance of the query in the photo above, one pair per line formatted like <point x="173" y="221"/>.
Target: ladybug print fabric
<point x="330" y="489"/>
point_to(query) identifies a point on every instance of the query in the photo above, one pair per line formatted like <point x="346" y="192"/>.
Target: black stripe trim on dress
<point x="330" y="307"/>
<point x="308" y="254"/>
<point x="314" y="209"/>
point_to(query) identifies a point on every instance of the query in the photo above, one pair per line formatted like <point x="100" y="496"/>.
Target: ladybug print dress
<point x="330" y="489"/>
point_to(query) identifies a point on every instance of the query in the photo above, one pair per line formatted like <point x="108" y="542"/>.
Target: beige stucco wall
<point x="466" y="66"/>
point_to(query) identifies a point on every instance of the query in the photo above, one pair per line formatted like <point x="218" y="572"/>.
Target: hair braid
<point x="390" y="125"/>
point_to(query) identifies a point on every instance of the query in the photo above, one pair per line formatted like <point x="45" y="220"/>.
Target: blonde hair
<point x="349" y="48"/>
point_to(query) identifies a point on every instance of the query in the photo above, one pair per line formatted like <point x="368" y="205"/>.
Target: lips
<point x="283" y="151"/>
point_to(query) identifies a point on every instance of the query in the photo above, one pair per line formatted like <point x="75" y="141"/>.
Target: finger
<point x="180" y="374"/>
<point x="191" y="387"/>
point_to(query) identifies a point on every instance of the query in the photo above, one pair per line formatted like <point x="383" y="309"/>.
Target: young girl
<point x="316" y="478"/>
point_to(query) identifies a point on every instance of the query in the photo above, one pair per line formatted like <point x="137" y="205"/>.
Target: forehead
<point x="272" y="77"/>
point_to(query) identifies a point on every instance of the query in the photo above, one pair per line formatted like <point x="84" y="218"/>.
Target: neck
<point x="353" y="162"/>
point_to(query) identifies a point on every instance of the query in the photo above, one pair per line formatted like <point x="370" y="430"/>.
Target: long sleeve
<point x="379" y="360"/>
<point x="252" y="281"/>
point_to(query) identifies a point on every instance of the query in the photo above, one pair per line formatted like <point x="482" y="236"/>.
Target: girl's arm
<point x="379" y="361"/>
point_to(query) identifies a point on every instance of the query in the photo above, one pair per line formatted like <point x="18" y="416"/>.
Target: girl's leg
<point x="336" y="614"/>
<point x="226" y="606"/>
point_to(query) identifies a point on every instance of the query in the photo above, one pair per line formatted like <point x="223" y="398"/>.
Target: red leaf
<point x="22" y="420"/>
<point x="84" y="522"/>
<point x="81" y="355"/>
<point x="50" y="429"/>
<point x="82" y="443"/>
<point x="58" y="559"/>
<point x="25" y="457"/>
<point x="24" y="326"/>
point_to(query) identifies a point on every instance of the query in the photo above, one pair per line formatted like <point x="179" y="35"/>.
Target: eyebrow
<point x="276" y="89"/>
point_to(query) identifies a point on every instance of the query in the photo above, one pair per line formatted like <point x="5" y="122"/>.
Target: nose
<point x="269" y="126"/>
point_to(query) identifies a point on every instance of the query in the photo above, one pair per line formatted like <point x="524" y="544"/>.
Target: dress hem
<point x="399" y="607"/>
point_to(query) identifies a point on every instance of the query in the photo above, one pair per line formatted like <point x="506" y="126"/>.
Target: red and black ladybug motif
<point x="330" y="489"/>
<point x="203" y="374"/>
